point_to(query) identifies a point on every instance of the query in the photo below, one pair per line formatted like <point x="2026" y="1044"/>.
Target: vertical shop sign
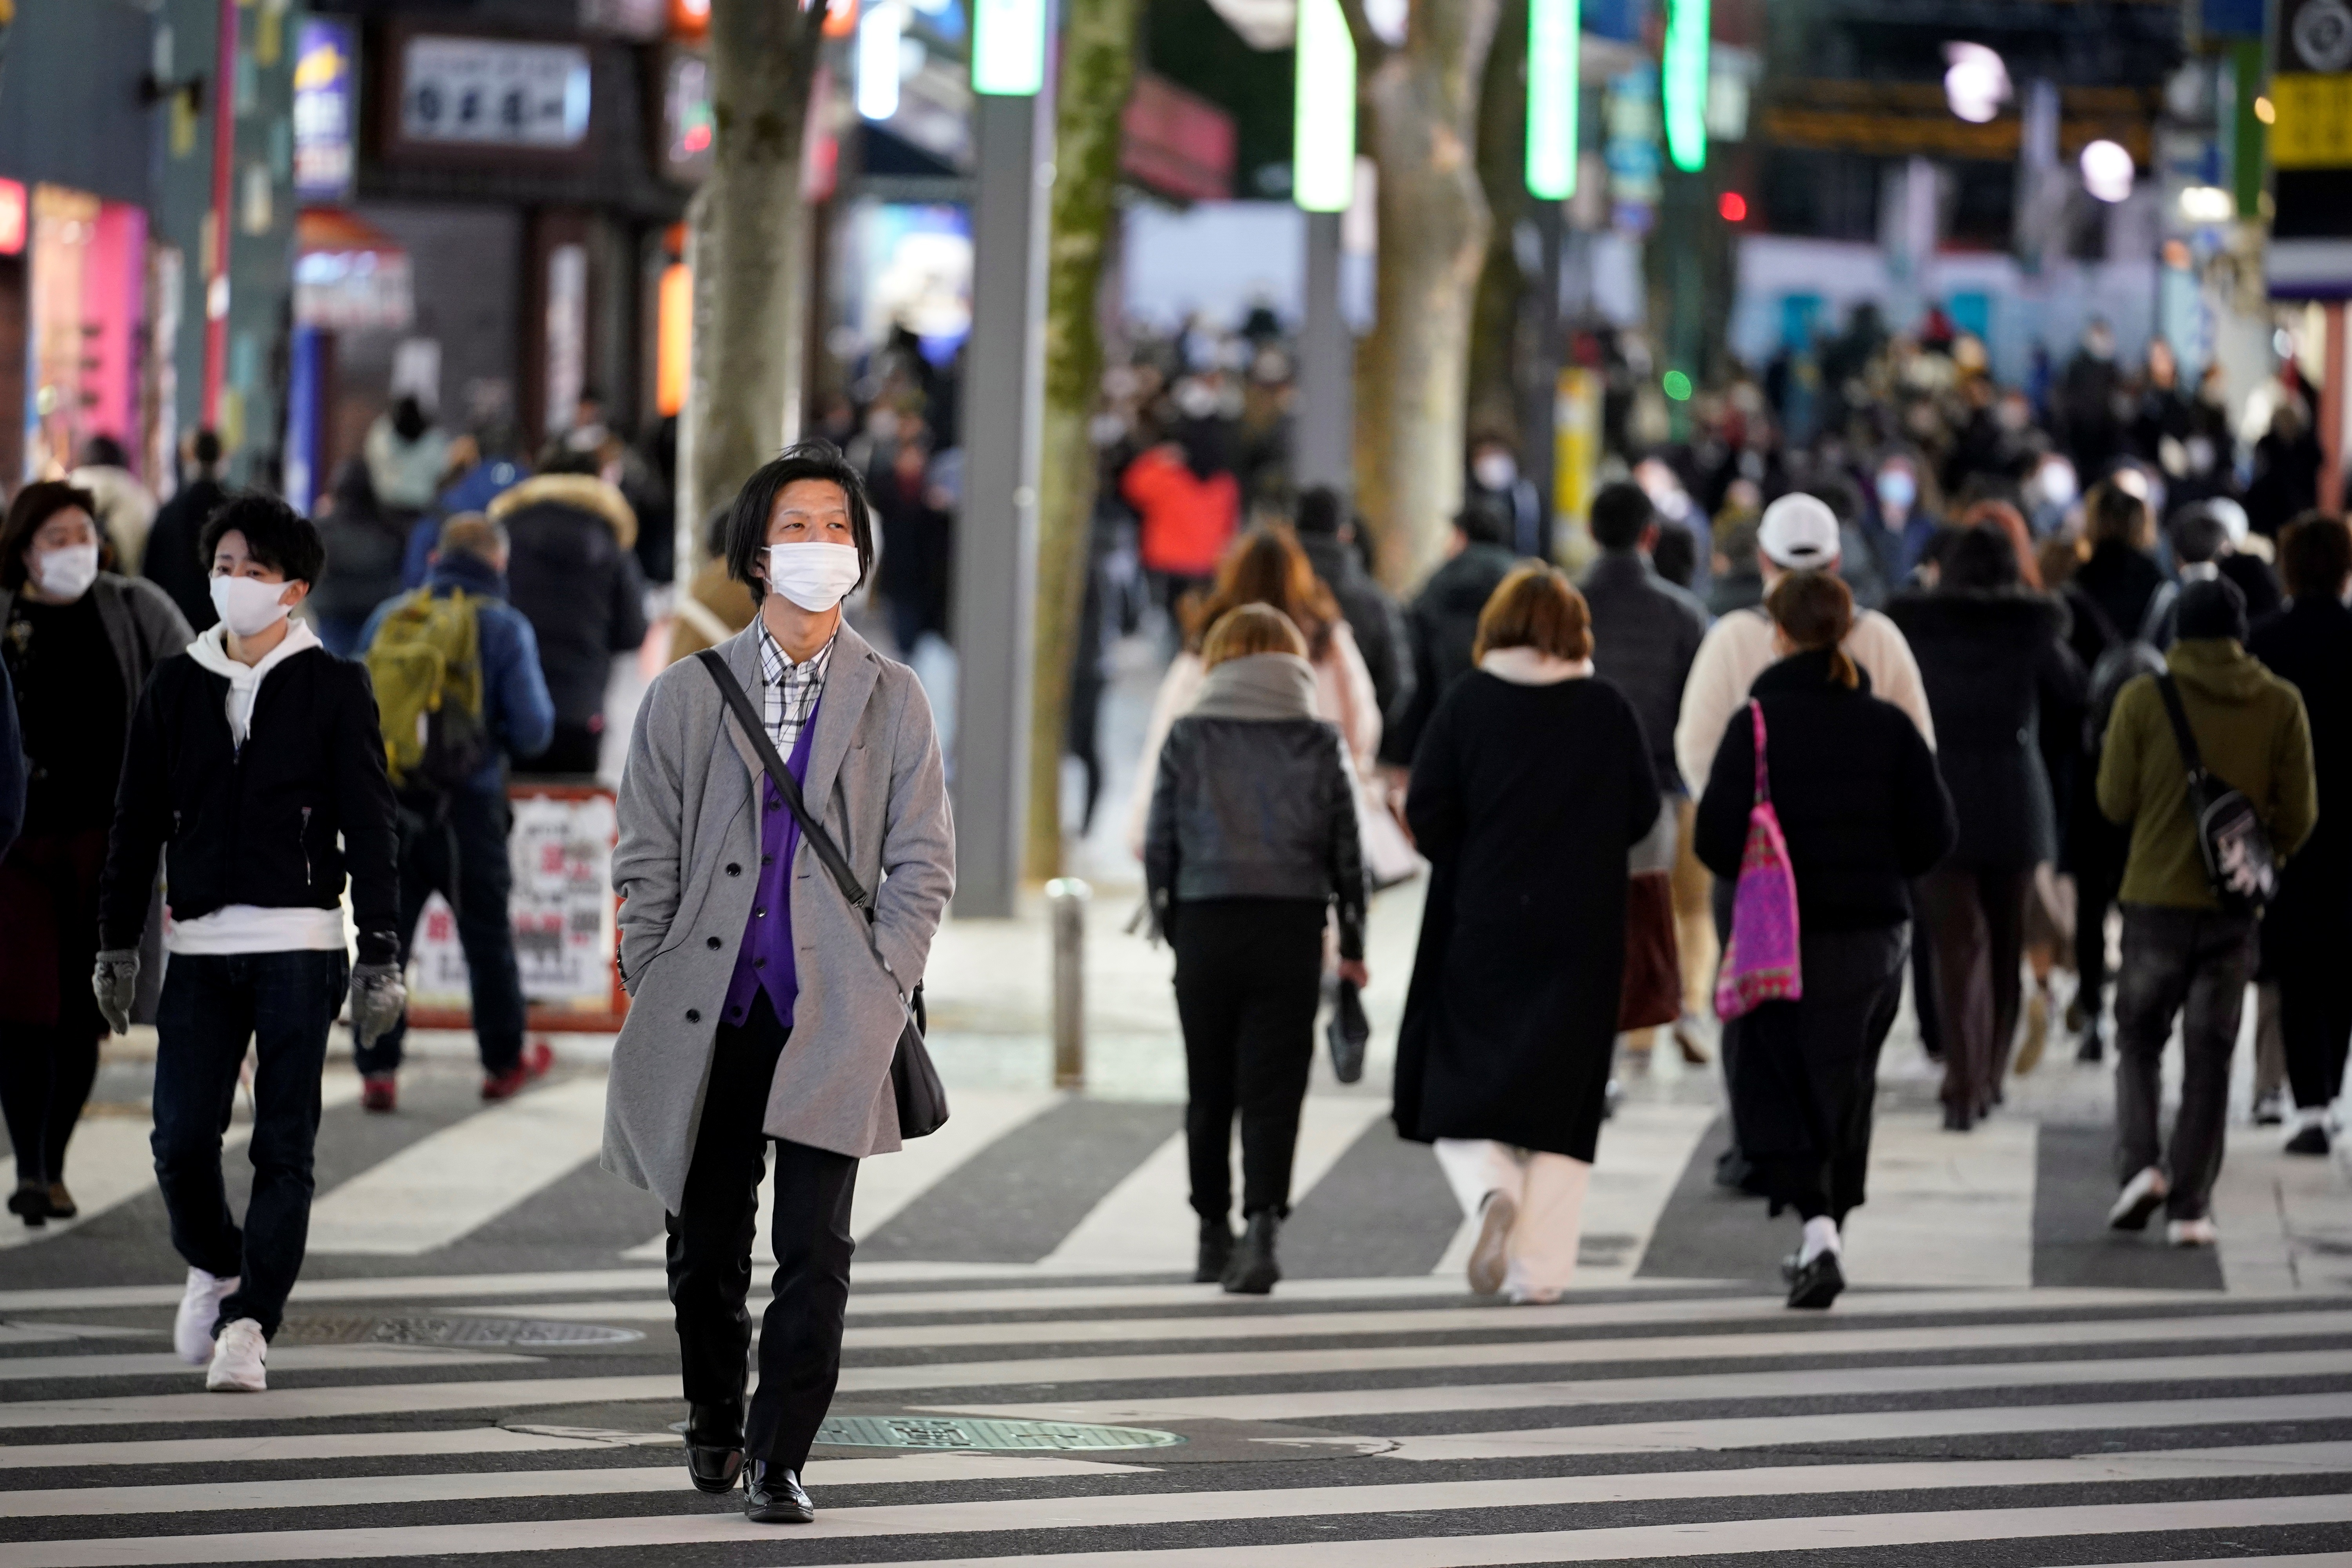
<point x="324" y="103"/>
<point x="567" y="334"/>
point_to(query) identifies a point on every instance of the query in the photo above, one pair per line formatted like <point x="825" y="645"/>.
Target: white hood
<point x="210" y="649"/>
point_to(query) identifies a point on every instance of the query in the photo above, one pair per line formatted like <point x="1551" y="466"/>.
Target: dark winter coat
<point x="1443" y="623"/>
<point x="1856" y="790"/>
<point x="2311" y="647"/>
<point x="1526" y="800"/>
<point x="170" y="561"/>
<point x="1375" y="616"/>
<point x="1645" y="632"/>
<point x="12" y="765"/>
<point x="2121" y="580"/>
<point x="574" y="574"/>
<point x="1993" y="663"/>
<point x="276" y="822"/>
<point x="1255" y="800"/>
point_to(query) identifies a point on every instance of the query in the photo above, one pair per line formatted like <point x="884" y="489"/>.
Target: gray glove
<point x="378" y="999"/>
<point x="116" y="982"/>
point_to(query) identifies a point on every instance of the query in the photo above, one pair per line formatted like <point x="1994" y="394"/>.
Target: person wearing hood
<point x="1443" y="623"/>
<point x="1184" y="491"/>
<point x="77" y="642"/>
<point x="573" y="573"/>
<point x="1865" y="813"/>
<point x="1530" y="791"/>
<point x="1251" y="841"/>
<point x="454" y="841"/>
<point x="255" y="769"/>
<point x="173" y="561"/>
<point x="364" y="544"/>
<point x="2308" y="927"/>
<point x="2185" y="955"/>
<point x="1993" y="658"/>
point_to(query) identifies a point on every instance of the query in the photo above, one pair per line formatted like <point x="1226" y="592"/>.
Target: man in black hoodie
<point x="171" y="561"/>
<point x="1443" y="624"/>
<point x="1327" y="535"/>
<point x="256" y="755"/>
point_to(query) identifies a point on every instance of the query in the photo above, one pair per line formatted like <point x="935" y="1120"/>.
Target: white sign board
<point x="561" y="849"/>
<point x="490" y="92"/>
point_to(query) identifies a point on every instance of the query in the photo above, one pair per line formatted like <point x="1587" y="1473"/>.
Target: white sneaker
<point x="192" y="1331"/>
<point x="2191" y="1233"/>
<point x="237" y="1356"/>
<point x="2140" y="1200"/>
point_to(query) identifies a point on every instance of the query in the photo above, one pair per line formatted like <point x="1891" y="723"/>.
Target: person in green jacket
<point x="2183" y="952"/>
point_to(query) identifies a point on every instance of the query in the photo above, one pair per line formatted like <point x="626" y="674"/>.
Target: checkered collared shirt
<point x="789" y="691"/>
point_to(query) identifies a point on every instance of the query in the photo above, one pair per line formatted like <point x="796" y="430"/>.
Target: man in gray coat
<point x="734" y="941"/>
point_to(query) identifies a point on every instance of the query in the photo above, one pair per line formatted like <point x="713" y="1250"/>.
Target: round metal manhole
<point x="960" y="1432"/>
<point x="465" y="1332"/>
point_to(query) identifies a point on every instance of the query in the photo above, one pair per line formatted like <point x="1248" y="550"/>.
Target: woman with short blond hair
<point x="1530" y="787"/>
<point x="1252" y="838"/>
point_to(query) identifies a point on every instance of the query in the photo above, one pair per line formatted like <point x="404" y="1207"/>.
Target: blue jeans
<point x="465" y="860"/>
<point x="284" y="1003"/>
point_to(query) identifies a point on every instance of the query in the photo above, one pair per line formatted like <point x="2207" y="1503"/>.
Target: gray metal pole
<point x="1067" y="897"/>
<point x="996" y="545"/>
<point x="1322" y="453"/>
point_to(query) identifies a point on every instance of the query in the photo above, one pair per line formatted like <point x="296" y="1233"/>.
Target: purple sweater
<point x="763" y="959"/>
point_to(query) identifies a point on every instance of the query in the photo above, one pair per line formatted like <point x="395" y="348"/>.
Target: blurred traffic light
<point x="1733" y="207"/>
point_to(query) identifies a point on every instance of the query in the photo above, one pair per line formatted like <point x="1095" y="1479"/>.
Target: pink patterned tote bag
<point x="1760" y="960"/>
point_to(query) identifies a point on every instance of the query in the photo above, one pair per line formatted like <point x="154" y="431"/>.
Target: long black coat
<point x="1525" y="799"/>
<point x="2311" y="645"/>
<point x="1993" y="664"/>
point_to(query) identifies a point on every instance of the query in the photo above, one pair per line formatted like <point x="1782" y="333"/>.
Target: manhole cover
<point x="445" y="1332"/>
<point x="944" y="1431"/>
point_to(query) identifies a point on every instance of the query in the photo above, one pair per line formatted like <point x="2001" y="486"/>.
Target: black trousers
<point x="464" y="859"/>
<point x="1805" y="1074"/>
<point x="710" y="1254"/>
<point x="45" y="1071"/>
<point x="1249" y="975"/>
<point x="1975" y="922"/>
<point x="2193" y="965"/>
<point x="2098" y="850"/>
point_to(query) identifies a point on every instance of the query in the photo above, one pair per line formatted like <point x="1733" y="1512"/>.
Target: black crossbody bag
<point x="2240" y="864"/>
<point x="914" y="1081"/>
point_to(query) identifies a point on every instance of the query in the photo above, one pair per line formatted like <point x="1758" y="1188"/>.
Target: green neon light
<point x="1676" y="386"/>
<point x="1323" y="132"/>
<point x="1553" y="26"/>
<point x="1682" y="80"/>
<point x="1008" y="48"/>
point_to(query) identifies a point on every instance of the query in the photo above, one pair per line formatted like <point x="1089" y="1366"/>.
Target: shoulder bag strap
<point x="1763" y="778"/>
<point x="788" y="787"/>
<point x="2181" y="734"/>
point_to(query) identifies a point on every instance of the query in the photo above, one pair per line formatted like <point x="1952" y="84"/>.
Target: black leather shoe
<point x="1817" y="1283"/>
<point x="1216" y="1251"/>
<point x="772" y="1495"/>
<point x="1254" y="1272"/>
<point x="714" y="1447"/>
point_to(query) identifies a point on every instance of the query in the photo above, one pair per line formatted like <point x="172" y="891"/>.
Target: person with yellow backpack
<point x="458" y="685"/>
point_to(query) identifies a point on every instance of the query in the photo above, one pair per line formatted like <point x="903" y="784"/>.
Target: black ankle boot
<point x="714" y="1446"/>
<point x="772" y="1495"/>
<point x="1253" y="1270"/>
<point x="1216" y="1251"/>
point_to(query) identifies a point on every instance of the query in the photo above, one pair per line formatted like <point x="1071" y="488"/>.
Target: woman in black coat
<point x="1531" y="784"/>
<point x="1863" y="812"/>
<point x="1250" y="840"/>
<point x="1993" y="658"/>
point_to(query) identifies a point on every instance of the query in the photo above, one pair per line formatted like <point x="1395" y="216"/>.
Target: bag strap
<point x="1763" y="778"/>
<point x="2181" y="735"/>
<point x="788" y="787"/>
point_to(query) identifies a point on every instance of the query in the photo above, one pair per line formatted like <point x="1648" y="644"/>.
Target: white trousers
<point x="1549" y="1191"/>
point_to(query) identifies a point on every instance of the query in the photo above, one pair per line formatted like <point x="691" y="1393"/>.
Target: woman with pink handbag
<point x="1824" y="803"/>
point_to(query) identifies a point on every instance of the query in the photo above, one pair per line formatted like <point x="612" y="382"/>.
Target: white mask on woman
<point x="67" y="572"/>
<point x="248" y="605"/>
<point x="814" y="574"/>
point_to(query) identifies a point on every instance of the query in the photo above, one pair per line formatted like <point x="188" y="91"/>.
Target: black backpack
<point x="2240" y="863"/>
<point x="2121" y="661"/>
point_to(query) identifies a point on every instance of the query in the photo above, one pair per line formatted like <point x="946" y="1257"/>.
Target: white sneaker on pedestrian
<point x="192" y="1331"/>
<point x="2140" y="1200"/>
<point x="2191" y="1233"/>
<point x="237" y="1356"/>
<point x="1490" y="1257"/>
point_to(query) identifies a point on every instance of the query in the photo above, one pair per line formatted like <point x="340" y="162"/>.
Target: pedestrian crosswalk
<point x="1360" y="1423"/>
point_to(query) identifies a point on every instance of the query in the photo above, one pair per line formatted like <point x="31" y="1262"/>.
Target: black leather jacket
<point x="1255" y="808"/>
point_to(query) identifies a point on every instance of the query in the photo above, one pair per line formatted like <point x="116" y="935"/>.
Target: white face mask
<point x="66" y="573"/>
<point x="1494" y="470"/>
<point x="814" y="576"/>
<point x="248" y="605"/>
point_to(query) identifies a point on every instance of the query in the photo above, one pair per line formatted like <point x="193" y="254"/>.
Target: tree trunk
<point x="1420" y="114"/>
<point x="1498" y="360"/>
<point x="749" y="243"/>
<point x="1098" y="68"/>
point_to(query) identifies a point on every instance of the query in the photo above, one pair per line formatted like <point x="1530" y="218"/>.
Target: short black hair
<point x="1319" y="510"/>
<point x="1980" y="558"/>
<point x="2214" y="608"/>
<point x="1619" y="514"/>
<point x="747" y="524"/>
<point x="1676" y="554"/>
<point x="205" y="448"/>
<point x="1484" y="524"/>
<point x="2316" y="555"/>
<point x="275" y="534"/>
<point x="2197" y="535"/>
